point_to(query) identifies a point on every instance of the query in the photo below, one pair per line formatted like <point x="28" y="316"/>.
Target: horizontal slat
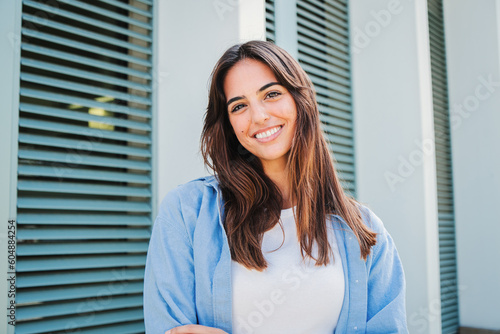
<point x="122" y="328"/>
<point x="57" y="278"/>
<point x="80" y="188"/>
<point x="85" y="61"/>
<point x="85" y="33"/>
<point x="83" y="174"/>
<point x="80" y="262"/>
<point x="342" y="75"/>
<point x="86" y="89"/>
<point x="79" y="248"/>
<point x="86" y="20"/>
<point x="81" y="233"/>
<point x="82" y="219"/>
<point x="77" y="321"/>
<point x="85" y="131"/>
<point x="84" y="159"/>
<point x="81" y="204"/>
<point x="336" y="130"/>
<point x="108" y="13"/>
<point x="128" y="7"/>
<point x="83" y="102"/>
<point x="76" y="291"/>
<point x="83" y="74"/>
<point x="336" y="108"/>
<point x="84" y="47"/>
<point x="83" y="116"/>
<point x="82" y="145"/>
<point x="331" y="119"/>
<point x="323" y="39"/>
<point x="146" y="2"/>
<point x="322" y="22"/>
<point x="77" y="307"/>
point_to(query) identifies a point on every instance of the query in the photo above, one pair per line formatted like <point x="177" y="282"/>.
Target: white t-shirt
<point x="291" y="295"/>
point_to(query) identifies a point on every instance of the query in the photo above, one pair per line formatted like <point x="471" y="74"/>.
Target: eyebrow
<point x="260" y="90"/>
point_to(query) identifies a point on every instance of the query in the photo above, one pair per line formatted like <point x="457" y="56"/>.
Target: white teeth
<point x="268" y="133"/>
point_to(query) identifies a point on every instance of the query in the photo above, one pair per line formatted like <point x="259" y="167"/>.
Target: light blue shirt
<point x="188" y="268"/>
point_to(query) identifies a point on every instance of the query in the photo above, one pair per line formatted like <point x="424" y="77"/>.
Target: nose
<point x="259" y="113"/>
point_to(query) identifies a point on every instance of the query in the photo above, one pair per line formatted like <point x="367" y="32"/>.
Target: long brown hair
<point x="253" y="202"/>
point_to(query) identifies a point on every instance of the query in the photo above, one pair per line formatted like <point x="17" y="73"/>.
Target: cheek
<point x="240" y="126"/>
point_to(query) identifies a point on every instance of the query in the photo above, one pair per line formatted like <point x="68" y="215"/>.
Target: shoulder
<point x="371" y="219"/>
<point x="189" y="194"/>
<point x="191" y="190"/>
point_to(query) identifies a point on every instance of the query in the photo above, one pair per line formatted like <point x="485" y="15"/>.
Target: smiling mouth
<point x="268" y="133"/>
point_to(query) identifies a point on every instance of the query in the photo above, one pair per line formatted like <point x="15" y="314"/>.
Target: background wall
<point x="394" y="136"/>
<point x="192" y="35"/>
<point x="473" y="53"/>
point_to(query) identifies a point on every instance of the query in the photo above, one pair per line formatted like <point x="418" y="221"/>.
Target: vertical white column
<point x="191" y="36"/>
<point x="473" y="59"/>
<point x="10" y="44"/>
<point x="285" y="21"/>
<point x="394" y="141"/>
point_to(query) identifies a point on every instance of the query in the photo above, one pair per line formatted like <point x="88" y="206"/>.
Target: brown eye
<point x="237" y="107"/>
<point x="273" y="94"/>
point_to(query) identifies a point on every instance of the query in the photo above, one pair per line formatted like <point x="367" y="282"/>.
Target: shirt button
<point x="350" y="238"/>
<point x="356" y="282"/>
<point x="355" y="327"/>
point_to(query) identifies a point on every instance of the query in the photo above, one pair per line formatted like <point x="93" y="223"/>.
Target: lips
<point x="269" y="135"/>
<point x="267" y="132"/>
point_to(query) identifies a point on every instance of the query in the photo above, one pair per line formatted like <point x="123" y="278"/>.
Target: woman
<point x="271" y="243"/>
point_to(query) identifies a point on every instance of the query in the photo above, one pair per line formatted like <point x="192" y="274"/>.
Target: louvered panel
<point x="83" y="233"/>
<point x="71" y="14"/>
<point x="79" y="262"/>
<point x="71" y="292"/>
<point x="84" y="169"/>
<point x="83" y="61"/>
<point x="124" y="328"/>
<point x="83" y="74"/>
<point x="85" y="320"/>
<point x="59" y="309"/>
<point x="324" y="54"/>
<point x="447" y="247"/>
<point x="86" y="89"/>
<point x="80" y="173"/>
<point x="81" y="205"/>
<point x="82" y="188"/>
<point x="81" y="147"/>
<point x="75" y="101"/>
<point x="82" y="131"/>
<point x="270" y="28"/>
<point x="101" y="219"/>
<point x="75" y="248"/>
<point x="82" y="46"/>
<point x="80" y="116"/>
<point x="85" y="33"/>
<point x="83" y="159"/>
<point x="56" y="278"/>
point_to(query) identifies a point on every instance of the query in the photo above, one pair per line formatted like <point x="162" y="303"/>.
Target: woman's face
<point x="261" y="112"/>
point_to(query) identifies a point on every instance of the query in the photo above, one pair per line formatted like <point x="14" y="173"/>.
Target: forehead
<point x="246" y="77"/>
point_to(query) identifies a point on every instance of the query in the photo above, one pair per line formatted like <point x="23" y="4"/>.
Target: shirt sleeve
<point x="386" y="285"/>
<point x="169" y="290"/>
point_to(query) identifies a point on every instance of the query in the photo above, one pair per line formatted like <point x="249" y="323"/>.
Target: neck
<point x="277" y="172"/>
